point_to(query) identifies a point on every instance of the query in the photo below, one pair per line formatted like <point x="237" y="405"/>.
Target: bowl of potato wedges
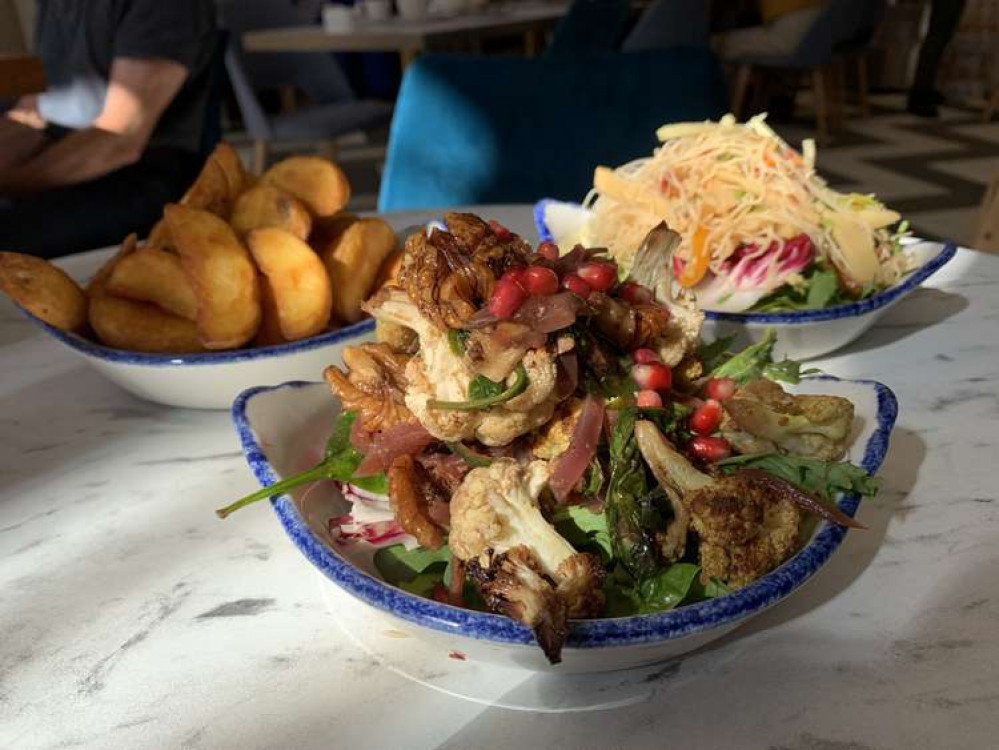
<point x="245" y="280"/>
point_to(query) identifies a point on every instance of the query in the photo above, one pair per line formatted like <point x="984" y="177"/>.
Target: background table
<point x="405" y="36"/>
<point x="131" y="617"/>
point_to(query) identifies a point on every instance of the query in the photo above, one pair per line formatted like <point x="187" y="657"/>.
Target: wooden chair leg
<point x="259" y="157"/>
<point x="821" y="111"/>
<point x="740" y="88"/>
<point x="836" y="94"/>
<point x="862" y="102"/>
<point x="991" y="107"/>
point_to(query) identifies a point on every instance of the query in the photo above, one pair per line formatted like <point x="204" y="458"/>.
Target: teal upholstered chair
<point x="590" y="26"/>
<point x="480" y="130"/>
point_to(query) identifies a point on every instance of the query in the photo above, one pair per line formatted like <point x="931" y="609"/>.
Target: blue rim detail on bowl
<point x="600" y="633"/>
<point x="849" y="310"/>
<point x="98" y="351"/>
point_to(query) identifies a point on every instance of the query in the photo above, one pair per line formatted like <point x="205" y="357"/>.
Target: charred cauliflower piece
<point x="808" y="425"/>
<point x="437" y="373"/>
<point x="374" y="385"/>
<point x="522" y="565"/>
<point x="745" y="529"/>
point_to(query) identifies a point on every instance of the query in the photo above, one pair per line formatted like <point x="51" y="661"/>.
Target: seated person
<point x="785" y="23"/>
<point x="119" y="130"/>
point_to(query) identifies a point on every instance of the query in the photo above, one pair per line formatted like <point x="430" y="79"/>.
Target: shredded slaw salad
<point x="752" y="213"/>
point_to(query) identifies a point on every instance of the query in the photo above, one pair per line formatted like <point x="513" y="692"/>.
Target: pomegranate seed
<point x="515" y="273"/>
<point x="634" y="293"/>
<point x="599" y="275"/>
<point x="710" y="449"/>
<point x="719" y="388"/>
<point x="538" y="280"/>
<point x="548" y="250"/>
<point x="649" y="399"/>
<point x="576" y="285"/>
<point x="654" y="376"/>
<point x="501" y="231"/>
<point x="706" y="418"/>
<point x="644" y="356"/>
<point x="507" y="297"/>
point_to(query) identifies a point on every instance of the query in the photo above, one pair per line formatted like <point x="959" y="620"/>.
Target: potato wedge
<point x="389" y="271"/>
<point x="159" y="237"/>
<point x="353" y="261"/>
<point x="328" y="229"/>
<point x="232" y="167"/>
<point x="44" y="290"/>
<point x="269" y="332"/>
<point x="297" y="279"/>
<point x="152" y="275"/>
<point x="320" y="184"/>
<point x="210" y="191"/>
<point x="268" y="206"/>
<point x="222" y="274"/>
<point x="139" y="326"/>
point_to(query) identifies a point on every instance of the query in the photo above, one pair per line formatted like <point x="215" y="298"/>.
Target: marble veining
<point x="130" y="617"/>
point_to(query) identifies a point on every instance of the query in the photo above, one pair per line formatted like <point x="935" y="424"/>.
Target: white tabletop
<point x="131" y="617"/>
<point x="397" y="33"/>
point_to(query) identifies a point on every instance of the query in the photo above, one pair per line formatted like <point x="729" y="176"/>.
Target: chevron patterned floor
<point x="932" y="171"/>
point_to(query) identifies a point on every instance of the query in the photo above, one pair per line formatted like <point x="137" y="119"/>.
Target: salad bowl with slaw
<point x="764" y="241"/>
<point x="541" y="464"/>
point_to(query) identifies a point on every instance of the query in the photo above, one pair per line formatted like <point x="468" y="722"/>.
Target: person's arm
<point x="138" y="93"/>
<point x="21" y="134"/>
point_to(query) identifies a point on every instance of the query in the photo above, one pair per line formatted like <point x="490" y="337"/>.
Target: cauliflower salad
<point x="538" y="435"/>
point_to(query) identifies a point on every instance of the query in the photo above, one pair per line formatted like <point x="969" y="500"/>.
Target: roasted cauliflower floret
<point x="437" y="373"/>
<point x="808" y="425"/>
<point x="374" y="385"/>
<point x="745" y="531"/>
<point x="554" y="438"/>
<point x="496" y="521"/>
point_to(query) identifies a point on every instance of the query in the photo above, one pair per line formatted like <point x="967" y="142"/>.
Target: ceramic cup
<point x="337" y="17"/>
<point x="378" y="10"/>
<point x="412" y="10"/>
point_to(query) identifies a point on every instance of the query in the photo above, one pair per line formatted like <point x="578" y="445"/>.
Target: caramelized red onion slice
<point x="566" y="374"/>
<point x="807" y="502"/>
<point x="549" y="313"/>
<point x="572" y="464"/>
<point x="405" y="439"/>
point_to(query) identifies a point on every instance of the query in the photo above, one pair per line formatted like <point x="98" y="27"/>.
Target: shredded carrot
<point x="697" y="266"/>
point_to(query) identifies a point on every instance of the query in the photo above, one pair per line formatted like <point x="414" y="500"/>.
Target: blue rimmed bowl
<point x="211" y="380"/>
<point x="802" y="334"/>
<point x="282" y="430"/>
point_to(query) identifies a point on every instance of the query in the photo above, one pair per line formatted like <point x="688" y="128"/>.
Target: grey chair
<point x="670" y="23"/>
<point x="334" y="110"/>
<point x="840" y="22"/>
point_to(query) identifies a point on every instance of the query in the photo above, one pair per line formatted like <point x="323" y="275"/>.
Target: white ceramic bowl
<point x="282" y="430"/>
<point x="211" y="380"/>
<point x="802" y="334"/>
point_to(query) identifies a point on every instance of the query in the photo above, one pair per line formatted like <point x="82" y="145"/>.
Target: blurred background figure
<point x="121" y="128"/>
<point x="944" y="18"/>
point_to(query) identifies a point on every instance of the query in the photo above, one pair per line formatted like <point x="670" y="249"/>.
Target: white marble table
<point x="130" y="617"/>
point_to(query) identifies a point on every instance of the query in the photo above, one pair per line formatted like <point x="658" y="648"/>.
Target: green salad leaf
<point x="585" y="530"/>
<point x="826" y="479"/>
<point x="340" y="461"/>
<point x="666" y="589"/>
<point x="396" y="564"/>
<point x="820" y="288"/>
<point x="483" y="387"/>
<point x="756" y="361"/>
<point x="342" y="458"/>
